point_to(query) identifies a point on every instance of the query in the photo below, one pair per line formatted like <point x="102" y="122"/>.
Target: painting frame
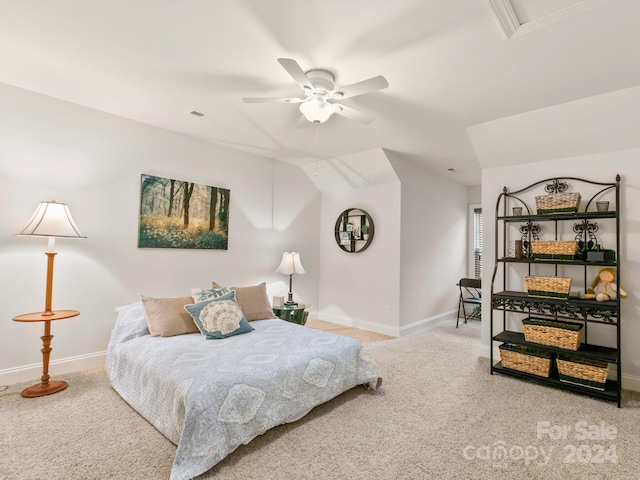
<point x="179" y="214"/>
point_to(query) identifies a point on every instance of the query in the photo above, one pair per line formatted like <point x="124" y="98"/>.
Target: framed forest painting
<point x="179" y="214"/>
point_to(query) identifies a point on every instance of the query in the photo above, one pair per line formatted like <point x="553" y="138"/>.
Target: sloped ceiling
<point x="598" y="124"/>
<point x="448" y="64"/>
<point x="340" y="176"/>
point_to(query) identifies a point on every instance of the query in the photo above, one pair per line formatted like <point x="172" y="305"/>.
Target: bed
<point x="210" y="396"/>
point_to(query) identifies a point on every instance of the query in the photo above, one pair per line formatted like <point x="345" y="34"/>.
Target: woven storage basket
<point x="552" y="333"/>
<point x="525" y="359"/>
<point x="582" y="371"/>
<point x="558" y="203"/>
<point x="548" y="287"/>
<point x="554" y="250"/>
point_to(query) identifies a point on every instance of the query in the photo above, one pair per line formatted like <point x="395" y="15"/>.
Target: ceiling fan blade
<point x="365" y="86"/>
<point x="273" y="100"/>
<point x="292" y="67"/>
<point x="353" y="114"/>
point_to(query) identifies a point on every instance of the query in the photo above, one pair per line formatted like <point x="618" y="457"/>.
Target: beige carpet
<point x="438" y="415"/>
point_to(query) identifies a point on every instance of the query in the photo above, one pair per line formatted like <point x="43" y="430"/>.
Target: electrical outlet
<point x="387" y="310"/>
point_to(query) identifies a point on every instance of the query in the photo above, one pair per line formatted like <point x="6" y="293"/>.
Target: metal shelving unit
<point x="586" y="311"/>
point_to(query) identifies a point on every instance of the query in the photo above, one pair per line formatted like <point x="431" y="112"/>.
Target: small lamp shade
<point x="52" y="219"/>
<point x="290" y="264"/>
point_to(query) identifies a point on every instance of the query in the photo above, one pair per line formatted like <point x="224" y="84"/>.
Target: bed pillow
<point x="166" y="317"/>
<point x="130" y="323"/>
<point x="201" y="294"/>
<point x="219" y="317"/>
<point x="253" y="301"/>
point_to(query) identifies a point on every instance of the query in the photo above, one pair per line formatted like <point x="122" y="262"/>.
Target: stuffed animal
<point x="604" y="287"/>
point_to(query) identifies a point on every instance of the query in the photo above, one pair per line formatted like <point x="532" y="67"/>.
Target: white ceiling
<point x="448" y="64"/>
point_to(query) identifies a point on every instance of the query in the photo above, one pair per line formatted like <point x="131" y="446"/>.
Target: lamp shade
<point x="290" y="264"/>
<point x="52" y="219"/>
<point x="317" y="110"/>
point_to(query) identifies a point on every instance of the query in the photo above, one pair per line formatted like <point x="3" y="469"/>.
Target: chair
<point x="470" y="294"/>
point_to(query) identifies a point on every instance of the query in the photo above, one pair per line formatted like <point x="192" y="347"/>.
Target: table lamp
<point x="289" y="265"/>
<point x="51" y="220"/>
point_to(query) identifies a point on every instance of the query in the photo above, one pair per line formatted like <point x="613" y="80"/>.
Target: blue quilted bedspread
<point x="210" y="396"/>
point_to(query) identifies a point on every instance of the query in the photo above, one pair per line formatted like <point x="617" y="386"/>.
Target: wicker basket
<point x="582" y="371"/>
<point x="526" y="359"/>
<point x="554" y="250"/>
<point x="558" y="203"/>
<point x="548" y="287"/>
<point x="553" y="333"/>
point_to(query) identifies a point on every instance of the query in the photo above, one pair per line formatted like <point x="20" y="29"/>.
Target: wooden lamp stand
<point x="46" y="387"/>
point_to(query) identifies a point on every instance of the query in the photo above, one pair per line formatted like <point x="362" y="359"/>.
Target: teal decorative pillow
<point x="202" y="294"/>
<point x="219" y="317"/>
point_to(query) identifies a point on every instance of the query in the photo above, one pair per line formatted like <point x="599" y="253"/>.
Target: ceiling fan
<point x="320" y="94"/>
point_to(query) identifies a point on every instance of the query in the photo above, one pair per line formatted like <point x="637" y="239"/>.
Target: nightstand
<point x="296" y="314"/>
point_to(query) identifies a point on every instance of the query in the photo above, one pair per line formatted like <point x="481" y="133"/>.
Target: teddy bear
<point x="604" y="287"/>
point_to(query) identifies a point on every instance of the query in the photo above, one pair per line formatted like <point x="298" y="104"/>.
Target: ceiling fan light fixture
<point x="319" y="90"/>
<point x="316" y="110"/>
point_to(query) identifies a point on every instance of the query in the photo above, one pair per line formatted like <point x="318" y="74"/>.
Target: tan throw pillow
<point x="167" y="317"/>
<point x="253" y="301"/>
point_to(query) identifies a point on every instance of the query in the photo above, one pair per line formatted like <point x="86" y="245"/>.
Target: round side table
<point x="294" y="314"/>
<point x="45" y="387"/>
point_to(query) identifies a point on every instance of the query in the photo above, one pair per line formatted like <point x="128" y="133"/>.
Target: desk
<point x="45" y="387"/>
<point x="296" y="314"/>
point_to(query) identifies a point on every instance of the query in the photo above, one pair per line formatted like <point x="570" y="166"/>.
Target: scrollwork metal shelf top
<point x="557" y="185"/>
<point x="574" y="308"/>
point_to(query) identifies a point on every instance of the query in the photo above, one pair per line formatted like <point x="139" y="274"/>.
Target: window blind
<point x="477" y="242"/>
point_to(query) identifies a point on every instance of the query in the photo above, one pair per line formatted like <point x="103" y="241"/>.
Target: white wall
<point x="474" y="194"/>
<point x="433" y="244"/>
<point x="358" y="289"/>
<point x="408" y="275"/>
<point x="599" y="167"/>
<point x="54" y="150"/>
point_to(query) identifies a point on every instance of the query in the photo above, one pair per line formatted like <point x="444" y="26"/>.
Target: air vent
<point x="196" y="113"/>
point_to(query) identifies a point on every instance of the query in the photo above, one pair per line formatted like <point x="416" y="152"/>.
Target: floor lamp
<point x="290" y="265"/>
<point x="51" y="220"/>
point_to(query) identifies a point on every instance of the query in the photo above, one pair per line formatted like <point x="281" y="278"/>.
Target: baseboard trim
<point x="417" y="327"/>
<point x="631" y="382"/>
<point x="404" y="331"/>
<point x="58" y="367"/>
<point x="485" y="351"/>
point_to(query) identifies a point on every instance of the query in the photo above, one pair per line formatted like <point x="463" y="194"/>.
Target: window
<point x="477" y="242"/>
